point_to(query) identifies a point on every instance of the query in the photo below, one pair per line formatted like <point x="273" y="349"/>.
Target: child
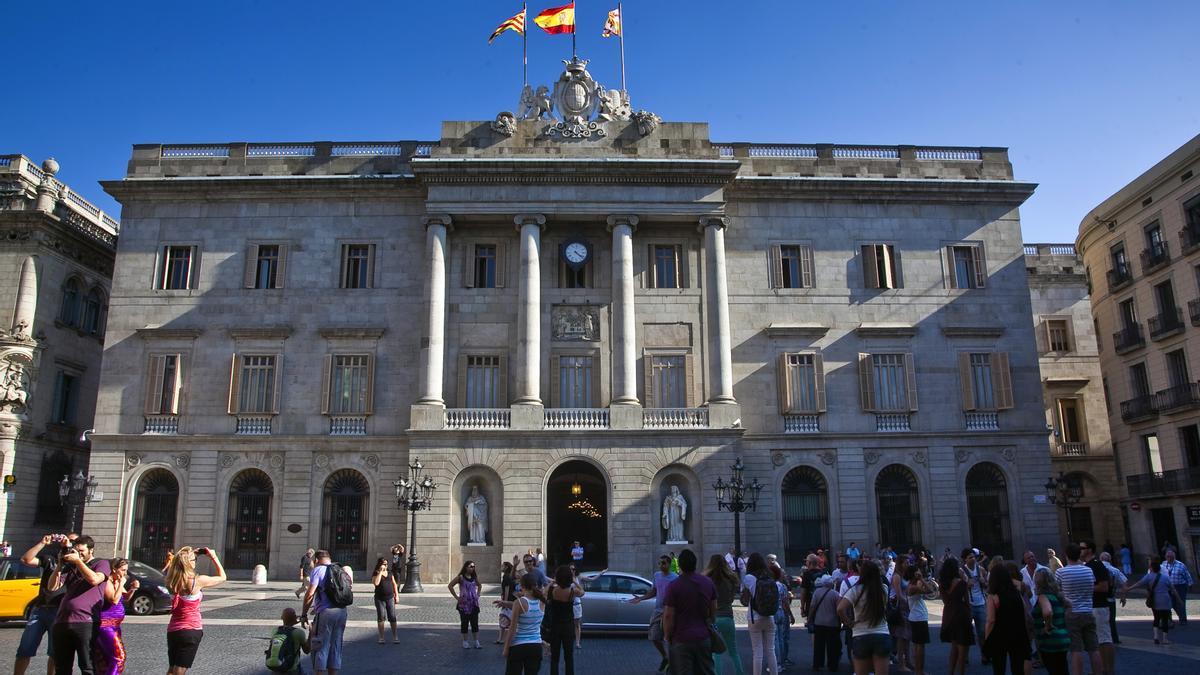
<point x="281" y="656"/>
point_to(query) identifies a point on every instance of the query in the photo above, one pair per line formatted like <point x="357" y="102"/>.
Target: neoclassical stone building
<point x="571" y="328"/>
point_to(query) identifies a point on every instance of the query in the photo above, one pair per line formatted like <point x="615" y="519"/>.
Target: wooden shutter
<point x="555" y="374"/>
<point x="784" y="384"/>
<point x="681" y="276"/>
<point x="176" y="385"/>
<point x="648" y="380"/>
<point x="866" y="383"/>
<point x="910" y="377"/>
<point x="469" y="264"/>
<point x="370" y="384"/>
<point x="278" y="383"/>
<point x="806" y="267"/>
<point x="250" y="275"/>
<point x="461" y="378"/>
<point x="235" y="381"/>
<point x="651" y="268"/>
<point x="193" y="266"/>
<point x="1002" y="381"/>
<point x="775" y="266"/>
<point x="371" y="254"/>
<point x="980" y="266"/>
<point x="596" y="377"/>
<point x="965" y="381"/>
<point x="502" y="394"/>
<point x="326" y="381"/>
<point x="887" y="255"/>
<point x="689" y="381"/>
<point x="870" y="267"/>
<point x="897" y="268"/>
<point x="155" y="371"/>
<point x="345" y="258"/>
<point x="501" y="267"/>
<point x="281" y="267"/>
<point x="1069" y="332"/>
<point x="1042" y="336"/>
<point x="948" y="258"/>
<point x="819" y="376"/>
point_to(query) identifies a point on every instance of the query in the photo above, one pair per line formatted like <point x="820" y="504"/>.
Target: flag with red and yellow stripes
<point x="516" y="23"/>
<point x="557" y="19"/>
<point x="612" y="25"/>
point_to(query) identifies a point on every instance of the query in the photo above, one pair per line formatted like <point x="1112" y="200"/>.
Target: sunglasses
<point x="529" y="561"/>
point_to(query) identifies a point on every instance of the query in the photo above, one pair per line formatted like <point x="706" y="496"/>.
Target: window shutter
<point x="784" y="383"/>
<point x="965" y="381"/>
<point x="345" y="258"/>
<point x="177" y="384"/>
<point x="775" y="266"/>
<point x="371" y="267"/>
<point x="819" y="376"/>
<point x="1002" y="379"/>
<point x="501" y="267"/>
<point x="461" y="377"/>
<point x="806" y="267"/>
<point x="870" y="268"/>
<point x="596" y="377"/>
<point x="889" y="266"/>
<point x="897" y="268"/>
<point x="278" y="383"/>
<point x="948" y="260"/>
<point x="1042" y="336"/>
<point x="866" y="384"/>
<point x="156" y="369"/>
<point x="193" y="266"/>
<point x="235" y="381"/>
<point x="651" y="267"/>
<point x="681" y="268"/>
<point x="689" y="381"/>
<point x="648" y="380"/>
<point x="980" y="266"/>
<point x="502" y="395"/>
<point x="469" y="264"/>
<point x="1069" y="324"/>
<point x="59" y="407"/>
<point x="555" y="374"/>
<point x="370" y="384"/>
<point x="910" y="376"/>
<point x="326" y="381"/>
<point x="281" y="267"/>
<point x="251" y="266"/>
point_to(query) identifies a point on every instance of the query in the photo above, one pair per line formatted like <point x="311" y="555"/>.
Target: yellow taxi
<point x="19" y="585"/>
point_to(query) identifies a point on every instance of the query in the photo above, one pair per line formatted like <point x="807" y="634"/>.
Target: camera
<point x="202" y="551"/>
<point x="58" y="538"/>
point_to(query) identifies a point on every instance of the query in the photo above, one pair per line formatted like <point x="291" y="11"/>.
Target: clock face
<point x="576" y="252"/>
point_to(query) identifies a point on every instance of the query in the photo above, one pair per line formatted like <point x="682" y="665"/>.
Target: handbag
<point x="1150" y="594"/>
<point x="812" y="612"/>
<point x="716" y="642"/>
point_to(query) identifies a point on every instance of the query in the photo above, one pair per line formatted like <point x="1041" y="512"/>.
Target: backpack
<point x="766" y="596"/>
<point x="337" y="587"/>
<point x="283" y="651"/>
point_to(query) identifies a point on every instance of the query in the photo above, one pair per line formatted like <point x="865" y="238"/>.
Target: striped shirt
<point x="1058" y="639"/>
<point x="1177" y="572"/>
<point x="1077" y="582"/>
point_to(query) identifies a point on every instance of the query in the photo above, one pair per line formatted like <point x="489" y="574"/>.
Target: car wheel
<point x="141" y="604"/>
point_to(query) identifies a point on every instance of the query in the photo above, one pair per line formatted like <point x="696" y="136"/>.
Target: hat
<point x="976" y="552"/>
<point x="771" y="557"/>
<point x="824" y="580"/>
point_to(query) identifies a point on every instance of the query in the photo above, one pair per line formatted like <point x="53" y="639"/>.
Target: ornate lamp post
<point x="1064" y="492"/>
<point x="75" y="492"/>
<point x="737" y="496"/>
<point x="414" y="493"/>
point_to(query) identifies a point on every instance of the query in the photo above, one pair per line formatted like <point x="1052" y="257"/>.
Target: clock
<point x="576" y="253"/>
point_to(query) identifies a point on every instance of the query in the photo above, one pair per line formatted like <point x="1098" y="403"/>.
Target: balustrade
<point x="801" y="424"/>
<point x="348" y="425"/>
<point x="1064" y="449"/>
<point x="478" y="418"/>
<point x="576" y="418"/>
<point x="982" y="421"/>
<point x="161" y="424"/>
<point x="253" y="425"/>
<point x="675" y="418"/>
<point x="892" y="422"/>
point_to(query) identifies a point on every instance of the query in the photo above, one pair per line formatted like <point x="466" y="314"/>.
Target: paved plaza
<point x="238" y="618"/>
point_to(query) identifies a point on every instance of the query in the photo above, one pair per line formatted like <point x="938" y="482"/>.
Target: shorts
<point x="182" y="646"/>
<point x="1082" y="628"/>
<point x="873" y="645"/>
<point x="1103" y="629"/>
<point x="505" y="619"/>
<point x="918" y="632"/>
<point x="577" y="610"/>
<point x="655" y="634"/>
<point x="39" y="624"/>
<point x="385" y="608"/>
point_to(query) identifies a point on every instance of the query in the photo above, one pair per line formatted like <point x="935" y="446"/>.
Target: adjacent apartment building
<point x="56" y="266"/>
<point x="1140" y="251"/>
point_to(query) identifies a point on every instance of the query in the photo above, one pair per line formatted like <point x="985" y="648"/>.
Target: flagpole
<point x="524" y="44"/>
<point x="621" y="19"/>
<point x="574" y="24"/>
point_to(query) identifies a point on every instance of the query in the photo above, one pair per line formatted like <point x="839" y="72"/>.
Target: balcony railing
<point x="1189" y="240"/>
<point x="1065" y="449"/>
<point x="1180" y="396"/>
<point x="1118" y="277"/>
<point x="1167" y="323"/>
<point x="801" y="424"/>
<point x="1167" y="482"/>
<point x="576" y="418"/>
<point x="348" y="425"/>
<point x="982" y="421"/>
<point x="1155" y="256"/>
<point x="478" y="418"/>
<point x="1139" y="408"/>
<point x="253" y="425"/>
<point x="892" y="422"/>
<point x="1128" y="339"/>
<point x="161" y="424"/>
<point x="675" y="418"/>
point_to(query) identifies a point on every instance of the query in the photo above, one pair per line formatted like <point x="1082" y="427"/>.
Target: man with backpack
<point x="690" y="610"/>
<point x="287" y="642"/>
<point x="329" y="594"/>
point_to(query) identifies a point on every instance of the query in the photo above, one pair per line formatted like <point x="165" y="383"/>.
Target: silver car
<point x="607" y="606"/>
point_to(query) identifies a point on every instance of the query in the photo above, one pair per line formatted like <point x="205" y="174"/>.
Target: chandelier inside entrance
<point x="580" y="505"/>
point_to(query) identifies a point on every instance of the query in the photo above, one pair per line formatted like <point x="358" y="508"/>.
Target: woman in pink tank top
<point x="186" y="628"/>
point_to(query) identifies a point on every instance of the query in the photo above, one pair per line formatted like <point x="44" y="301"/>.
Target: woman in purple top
<point x="108" y="649"/>
<point x="467" y="602"/>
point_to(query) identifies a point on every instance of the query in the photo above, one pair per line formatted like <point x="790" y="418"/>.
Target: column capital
<point x="622" y="219"/>
<point x="443" y="219"/>
<point x="712" y="221"/>
<point x="523" y="219"/>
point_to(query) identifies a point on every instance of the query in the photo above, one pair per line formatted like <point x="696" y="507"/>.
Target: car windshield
<point x="145" y="571"/>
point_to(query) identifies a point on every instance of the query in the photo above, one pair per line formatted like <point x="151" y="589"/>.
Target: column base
<point x="528" y="416"/>
<point x="427" y="416"/>
<point x="625" y="416"/>
<point x="724" y="415"/>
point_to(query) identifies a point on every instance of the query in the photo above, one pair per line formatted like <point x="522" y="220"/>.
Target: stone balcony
<point x="534" y="417"/>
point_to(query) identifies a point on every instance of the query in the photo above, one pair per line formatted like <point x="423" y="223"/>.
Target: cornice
<point x="870" y="330"/>
<point x="157" y="333"/>
<point x="350" y="333"/>
<point x="231" y="188"/>
<point x="814" y="330"/>
<point x="972" y="331"/>
<point x="833" y="188"/>
<point x="573" y="171"/>
<point x="261" y="333"/>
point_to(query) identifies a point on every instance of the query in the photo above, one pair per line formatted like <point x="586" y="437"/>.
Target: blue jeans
<point x="327" y="645"/>
<point x="979" y="616"/>
<point x="1181" y="606"/>
<point x="40" y="621"/>
<point x="782" y="631"/>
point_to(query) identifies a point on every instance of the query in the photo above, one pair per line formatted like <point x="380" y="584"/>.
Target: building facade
<point x="56" y="264"/>
<point x="1081" y="451"/>
<point x="1139" y="248"/>
<point x="586" y="332"/>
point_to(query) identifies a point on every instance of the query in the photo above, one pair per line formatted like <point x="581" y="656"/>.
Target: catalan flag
<point x="516" y="23"/>
<point x="557" y="19"/>
<point x="612" y="26"/>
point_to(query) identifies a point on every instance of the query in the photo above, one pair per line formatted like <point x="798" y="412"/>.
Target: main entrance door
<point x="577" y="510"/>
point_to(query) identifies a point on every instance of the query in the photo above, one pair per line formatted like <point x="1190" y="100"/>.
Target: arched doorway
<point x="154" y="517"/>
<point x="987" y="510"/>
<point x="248" y="520"/>
<point x="344" y="518"/>
<point x="897" y="501"/>
<point x="805" y="513"/>
<point x="577" y="510"/>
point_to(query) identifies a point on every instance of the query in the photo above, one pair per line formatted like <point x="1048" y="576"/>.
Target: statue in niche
<point x="477" y="514"/>
<point x="674" y="513"/>
<point x="14" y="385"/>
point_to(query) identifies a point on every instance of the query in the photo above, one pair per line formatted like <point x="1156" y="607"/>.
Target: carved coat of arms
<point x="575" y="322"/>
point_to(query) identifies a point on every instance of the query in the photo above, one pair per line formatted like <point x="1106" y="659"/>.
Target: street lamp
<point x="1064" y="492"/>
<point x="76" y="492"/>
<point x="737" y="496"/>
<point x="413" y="494"/>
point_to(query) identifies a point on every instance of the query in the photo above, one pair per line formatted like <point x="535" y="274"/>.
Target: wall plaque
<point x="570" y="323"/>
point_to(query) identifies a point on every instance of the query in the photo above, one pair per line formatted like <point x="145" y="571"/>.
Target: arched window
<point x="92" y="306"/>
<point x="154" y="517"/>
<point x="69" y="313"/>
<point x="344" y="518"/>
<point x="805" y="502"/>
<point x="248" y="520"/>
<point x="987" y="510"/>
<point x="898" y="508"/>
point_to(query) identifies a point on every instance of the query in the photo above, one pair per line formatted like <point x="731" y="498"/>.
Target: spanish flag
<point x="557" y="19"/>
<point x="516" y="23"/>
<point x="612" y="26"/>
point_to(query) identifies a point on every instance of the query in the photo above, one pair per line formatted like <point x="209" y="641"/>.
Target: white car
<point x="607" y="606"/>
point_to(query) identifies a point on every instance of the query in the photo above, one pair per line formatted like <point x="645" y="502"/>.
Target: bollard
<point x="259" y="576"/>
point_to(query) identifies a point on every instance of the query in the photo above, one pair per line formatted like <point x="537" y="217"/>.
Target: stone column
<point x="529" y="311"/>
<point x="428" y="411"/>
<point x="624" y="358"/>
<point x="716" y="295"/>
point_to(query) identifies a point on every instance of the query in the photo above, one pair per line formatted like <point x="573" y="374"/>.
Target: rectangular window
<point x="986" y="381"/>
<point x="887" y="382"/>
<point x="668" y="381"/>
<point x="1058" y="335"/>
<point x="665" y="260"/>
<point x="1189" y="439"/>
<point x="791" y="266"/>
<point x="1191" y="212"/>
<point x="358" y="266"/>
<point x="881" y="267"/>
<point x="802" y="380"/>
<point x="1128" y="314"/>
<point x="576" y="382"/>
<point x="1139" y="383"/>
<point x="66" y="395"/>
<point x="1119" y="261"/>
<point x="163" y="383"/>
<point x="484" y="268"/>
<point x="1164" y="296"/>
<point x="265" y="266"/>
<point x="1177" y="369"/>
<point x="350" y="384"/>
<point x="1070" y="420"/>
<point x="483" y="382"/>
<point x="177" y="271"/>
<point x="967" y="266"/>
<point x="255" y="386"/>
<point x="1153" y="458"/>
<point x="1154" y="238"/>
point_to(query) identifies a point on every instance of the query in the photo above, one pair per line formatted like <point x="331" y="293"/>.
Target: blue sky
<point x="1086" y="95"/>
